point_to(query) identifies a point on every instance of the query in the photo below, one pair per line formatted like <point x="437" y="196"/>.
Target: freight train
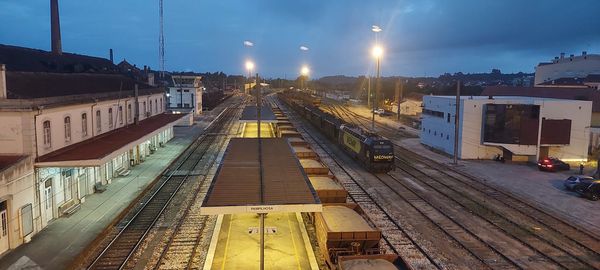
<point x="346" y="236"/>
<point x="374" y="152"/>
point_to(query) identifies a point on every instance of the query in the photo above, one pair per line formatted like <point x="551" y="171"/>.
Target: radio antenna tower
<point x="161" y="41"/>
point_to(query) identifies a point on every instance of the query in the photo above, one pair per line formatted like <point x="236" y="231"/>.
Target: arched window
<point x="156" y="106"/>
<point x="68" y="129"/>
<point x="98" y="121"/>
<point x="47" y="134"/>
<point x="120" y="115"/>
<point x="110" y="118"/>
<point x="84" y="124"/>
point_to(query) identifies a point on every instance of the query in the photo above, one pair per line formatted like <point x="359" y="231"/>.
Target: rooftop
<point x="238" y="187"/>
<point x="250" y="113"/>
<point x="91" y="152"/>
<point x="6" y="161"/>
<point x="588" y="94"/>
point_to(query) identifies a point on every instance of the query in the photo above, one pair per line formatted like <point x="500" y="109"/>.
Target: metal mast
<point x="161" y="41"/>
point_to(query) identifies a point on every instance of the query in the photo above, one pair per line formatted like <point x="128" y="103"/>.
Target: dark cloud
<point x="420" y="36"/>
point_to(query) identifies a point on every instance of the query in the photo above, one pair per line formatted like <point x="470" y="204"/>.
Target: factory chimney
<point x="55" y="27"/>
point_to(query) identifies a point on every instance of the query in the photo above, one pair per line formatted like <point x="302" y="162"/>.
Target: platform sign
<point x="263" y="209"/>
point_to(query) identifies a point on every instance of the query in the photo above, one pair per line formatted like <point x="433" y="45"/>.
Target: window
<point x="68" y="129"/>
<point x="433" y="113"/>
<point x="145" y="109"/>
<point x="98" y="121"/>
<point x="110" y="118"/>
<point x="84" y="124"/>
<point x="150" y="107"/>
<point x="161" y="105"/>
<point x="120" y="115"/>
<point x="156" y="106"/>
<point x="448" y="120"/>
<point x="47" y="134"/>
<point x="129" y="114"/>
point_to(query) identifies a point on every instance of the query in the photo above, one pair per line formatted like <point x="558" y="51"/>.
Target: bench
<point x="70" y="208"/>
<point x="99" y="188"/>
<point x="123" y="172"/>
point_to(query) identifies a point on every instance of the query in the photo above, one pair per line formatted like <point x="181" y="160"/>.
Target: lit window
<point x="47" y="134"/>
<point x="68" y="129"/>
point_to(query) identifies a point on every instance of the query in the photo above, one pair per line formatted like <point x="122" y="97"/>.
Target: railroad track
<point x="552" y="242"/>
<point x="393" y="233"/>
<point x="182" y="246"/>
<point x="120" y="249"/>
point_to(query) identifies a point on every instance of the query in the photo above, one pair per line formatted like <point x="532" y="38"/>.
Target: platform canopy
<point x="238" y="188"/>
<point x="102" y="148"/>
<point x="250" y="114"/>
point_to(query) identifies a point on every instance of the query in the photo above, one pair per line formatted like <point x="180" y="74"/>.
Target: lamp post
<point x="249" y="67"/>
<point x="303" y="74"/>
<point x="377" y="53"/>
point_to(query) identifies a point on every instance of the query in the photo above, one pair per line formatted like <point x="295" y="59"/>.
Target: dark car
<point x="550" y="164"/>
<point x="571" y="182"/>
<point x="589" y="189"/>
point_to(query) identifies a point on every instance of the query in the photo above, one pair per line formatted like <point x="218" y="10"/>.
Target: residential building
<point x="515" y="127"/>
<point x="567" y="67"/>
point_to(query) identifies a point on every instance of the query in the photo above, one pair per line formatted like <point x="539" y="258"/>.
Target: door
<point x="48" y="201"/>
<point x="3" y="227"/>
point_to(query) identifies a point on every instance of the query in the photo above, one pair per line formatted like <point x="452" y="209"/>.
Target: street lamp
<point x="377" y="53"/>
<point x="249" y="67"/>
<point x="304" y="73"/>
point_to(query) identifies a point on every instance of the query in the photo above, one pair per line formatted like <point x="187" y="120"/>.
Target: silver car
<point x="572" y="181"/>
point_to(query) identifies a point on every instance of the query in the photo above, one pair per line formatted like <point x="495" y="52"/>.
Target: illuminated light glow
<point x="377" y="51"/>
<point x="304" y="71"/>
<point x="249" y="65"/>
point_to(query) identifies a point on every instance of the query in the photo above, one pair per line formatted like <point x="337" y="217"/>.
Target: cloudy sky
<point x="420" y="37"/>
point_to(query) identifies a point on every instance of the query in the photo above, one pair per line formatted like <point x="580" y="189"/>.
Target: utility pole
<point x="261" y="215"/>
<point x="456" y="122"/>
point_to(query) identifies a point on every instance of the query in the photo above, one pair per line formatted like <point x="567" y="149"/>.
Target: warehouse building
<point x="517" y="128"/>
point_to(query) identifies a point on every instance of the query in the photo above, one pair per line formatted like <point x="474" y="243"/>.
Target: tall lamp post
<point x="249" y="68"/>
<point x="303" y="75"/>
<point x="377" y="53"/>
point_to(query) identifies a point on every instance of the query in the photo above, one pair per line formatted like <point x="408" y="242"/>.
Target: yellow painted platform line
<point x="293" y="242"/>
<point x="227" y="242"/>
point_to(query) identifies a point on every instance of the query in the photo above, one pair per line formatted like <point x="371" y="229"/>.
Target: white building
<point x="186" y="93"/>
<point x="518" y="128"/>
<point x="66" y="135"/>
<point x="567" y="67"/>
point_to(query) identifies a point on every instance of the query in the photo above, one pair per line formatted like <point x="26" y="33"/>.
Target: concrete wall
<point x="17" y="187"/>
<point x="438" y="132"/>
<point x="579" y="67"/>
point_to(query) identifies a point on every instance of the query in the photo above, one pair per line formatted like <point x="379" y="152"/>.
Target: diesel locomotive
<point x="374" y="152"/>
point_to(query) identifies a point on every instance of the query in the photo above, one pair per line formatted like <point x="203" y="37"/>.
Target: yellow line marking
<point x="227" y="242"/>
<point x="293" y="242"/>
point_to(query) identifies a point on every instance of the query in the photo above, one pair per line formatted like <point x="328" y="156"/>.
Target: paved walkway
<point x="64" y="238"/>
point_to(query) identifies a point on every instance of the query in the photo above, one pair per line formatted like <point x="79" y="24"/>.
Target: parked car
<point x="379" y="112"/>
<point x="571" y="182"/>
<point x="589" y="189"/>
<point x="551" y="164"/>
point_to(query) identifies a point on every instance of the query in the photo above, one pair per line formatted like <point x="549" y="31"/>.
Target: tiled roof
<point x="43" y="84"/>
<point x="103" y="145"/>
<point x="588" y="94"/>
<point x="32" y="60"/>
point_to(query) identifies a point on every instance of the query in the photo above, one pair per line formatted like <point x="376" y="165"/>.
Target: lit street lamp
<point x="304" y="74"/>
<point x="377" y="53"/>
<point x="249" y="67"/>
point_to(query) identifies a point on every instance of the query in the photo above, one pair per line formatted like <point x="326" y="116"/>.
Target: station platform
<point x="59" y="243"/>
<point x="235" y="244"/>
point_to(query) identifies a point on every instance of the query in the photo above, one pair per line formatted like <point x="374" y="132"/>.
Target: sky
<point x="419" y="37"/>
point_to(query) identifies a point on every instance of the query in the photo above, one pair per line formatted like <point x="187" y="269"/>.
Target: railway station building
<point x="66" y="135"/>
<point x="515" y="127"/>
<point x="185" y="94"/>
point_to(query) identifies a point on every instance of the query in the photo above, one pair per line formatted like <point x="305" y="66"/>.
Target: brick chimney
<point x="3" y="94"/>
<point x="55" y="28"/>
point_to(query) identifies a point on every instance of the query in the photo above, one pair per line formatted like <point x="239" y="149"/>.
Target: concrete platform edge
<point x="307" y="245"/>
<point x="212" y="248"/>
